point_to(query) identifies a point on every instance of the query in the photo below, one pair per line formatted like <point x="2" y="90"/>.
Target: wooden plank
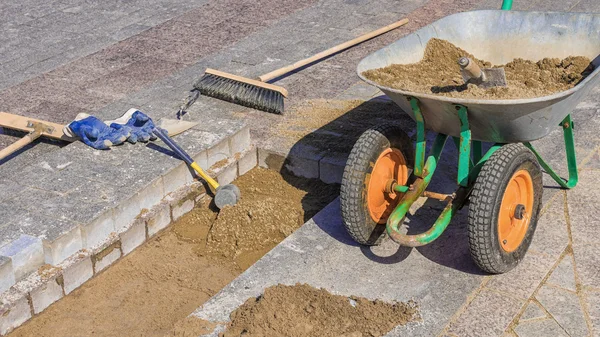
<point x="20" y="123"/>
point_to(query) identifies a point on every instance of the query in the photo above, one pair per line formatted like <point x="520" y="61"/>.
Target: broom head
<point x="243" y="91"/>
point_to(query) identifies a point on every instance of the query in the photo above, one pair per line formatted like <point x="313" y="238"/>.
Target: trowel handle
<point x="471" y="69"/>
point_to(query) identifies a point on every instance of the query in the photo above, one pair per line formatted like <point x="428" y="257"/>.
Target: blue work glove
<point x="139" y="125"/>
<point x="95" y="133"/>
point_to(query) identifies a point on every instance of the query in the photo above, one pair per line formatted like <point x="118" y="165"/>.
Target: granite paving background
<point x="60" y="58"/>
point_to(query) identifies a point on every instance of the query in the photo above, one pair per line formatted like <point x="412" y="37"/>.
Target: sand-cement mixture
<point x="304" y="311"/>
<point x="151" y="291"/>
<point x="439" y="73"/>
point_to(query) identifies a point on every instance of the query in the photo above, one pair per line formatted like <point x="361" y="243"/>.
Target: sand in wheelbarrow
<point x="303" y="311"/>
<point x="151" y="291"/>
<point x="439" y="73"/>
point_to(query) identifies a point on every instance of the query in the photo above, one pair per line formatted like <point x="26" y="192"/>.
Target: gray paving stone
<point x="134" y="236"/>
<point x="16" y="314"/>
<point x="331" y="168"/>
<point x="7" y="275"/>
<point x="45" y="295"/>
<point x="49" y="180"/>
<point x="488" y="315"/>
<point x="586" y="6"/>
<point x="101" y="263"/>
<point x="565" y="307"/>
<point x="530" y="271"/>
<point x="97" y="231"/>
<point x="248" y="162"/>
<point x="564" y="275"/>
<point x="533" y="311"/>
<point x="551" y="236"/>
<point x="583" y="209"/>
<point x="158" y="219"/>
<point x="146" y="197"/>
<point x="60" y="237"/>
<point x="9" y="188"/>
<point x="83" y="203"/>
<point x="594" y="163"/>
<point x="586" y="263"/>
<point x="547" y="327"/>
<point x="26" y="253"/>
<point x="227" y="174"/>
<point x="592" y="299"/>
<point x="76" y="274"/>
<point x="360" y="91"/>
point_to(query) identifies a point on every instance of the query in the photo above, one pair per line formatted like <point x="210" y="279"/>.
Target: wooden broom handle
<point x="19" y="144"/>
<point x="330" y="51"/>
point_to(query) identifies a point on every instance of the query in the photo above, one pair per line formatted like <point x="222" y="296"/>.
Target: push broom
<point x="260" y="95"/>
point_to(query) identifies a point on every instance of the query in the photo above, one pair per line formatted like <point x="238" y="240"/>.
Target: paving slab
<point x="565" y="308"/>
<point x="533" y="311"/>
<point x="546" y="327"/>
<point x="564" y="274"/>
<point x="593" y="305"/>
<point x="586" y="264"/>
<point x="583" y="219"/>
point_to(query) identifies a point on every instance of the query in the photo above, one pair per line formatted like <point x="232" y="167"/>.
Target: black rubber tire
<point x="355" y="214"/>
<point x="485" y="202"/>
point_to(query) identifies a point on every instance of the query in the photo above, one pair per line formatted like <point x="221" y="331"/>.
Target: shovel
<point x="483" y="78"/>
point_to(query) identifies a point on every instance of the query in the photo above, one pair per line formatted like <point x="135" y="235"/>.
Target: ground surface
<point x="147" y="54"/>
<point x="159" y="284"/>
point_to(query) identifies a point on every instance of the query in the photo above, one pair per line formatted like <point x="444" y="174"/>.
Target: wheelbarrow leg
<point x="567" y="125"/>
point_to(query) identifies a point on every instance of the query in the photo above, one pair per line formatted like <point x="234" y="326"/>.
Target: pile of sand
<point x="302" y="311"/>
<point x="439" y="73"/>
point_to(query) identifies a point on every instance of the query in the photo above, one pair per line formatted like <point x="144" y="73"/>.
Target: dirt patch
<point x="439" y="73"/>
<point x="191" y="326"/>
<point x="271" y="209"/>
<point x="302" y="311"/>
<point x="163" y="281"/>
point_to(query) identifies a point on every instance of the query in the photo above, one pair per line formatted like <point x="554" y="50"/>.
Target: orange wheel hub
<point x="391" y="164"/>
<point x="515" y="211"/>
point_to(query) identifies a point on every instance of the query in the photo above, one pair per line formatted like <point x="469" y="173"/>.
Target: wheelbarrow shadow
<point x="336" y="139"/>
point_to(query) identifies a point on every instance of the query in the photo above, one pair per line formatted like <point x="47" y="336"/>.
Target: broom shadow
<point x="337" y="137"/>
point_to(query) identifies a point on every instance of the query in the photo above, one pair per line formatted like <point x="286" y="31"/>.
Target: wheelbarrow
<point x="503" y="185"/>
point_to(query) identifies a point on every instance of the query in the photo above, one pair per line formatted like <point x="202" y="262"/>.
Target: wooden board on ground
<point x="22" y="123"/>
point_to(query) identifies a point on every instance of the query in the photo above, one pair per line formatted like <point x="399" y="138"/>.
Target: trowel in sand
<point x="483" y="78"/>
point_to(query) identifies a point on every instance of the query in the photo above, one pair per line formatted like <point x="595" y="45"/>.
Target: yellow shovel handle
<point x="213" y="183"/>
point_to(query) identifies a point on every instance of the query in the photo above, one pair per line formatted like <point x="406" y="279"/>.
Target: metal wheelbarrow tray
<point x="498" y="37"/>
<point x="384" y="176"/>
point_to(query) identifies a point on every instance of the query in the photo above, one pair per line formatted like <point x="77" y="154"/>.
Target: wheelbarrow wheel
<point x="504" y="208"/>
<point x="379" y="155"/>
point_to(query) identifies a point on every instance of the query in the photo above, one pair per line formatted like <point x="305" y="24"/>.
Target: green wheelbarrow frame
<point x="470" y="161"/>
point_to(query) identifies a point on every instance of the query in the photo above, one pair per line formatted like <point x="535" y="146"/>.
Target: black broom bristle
<point x="240" y="93"/>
